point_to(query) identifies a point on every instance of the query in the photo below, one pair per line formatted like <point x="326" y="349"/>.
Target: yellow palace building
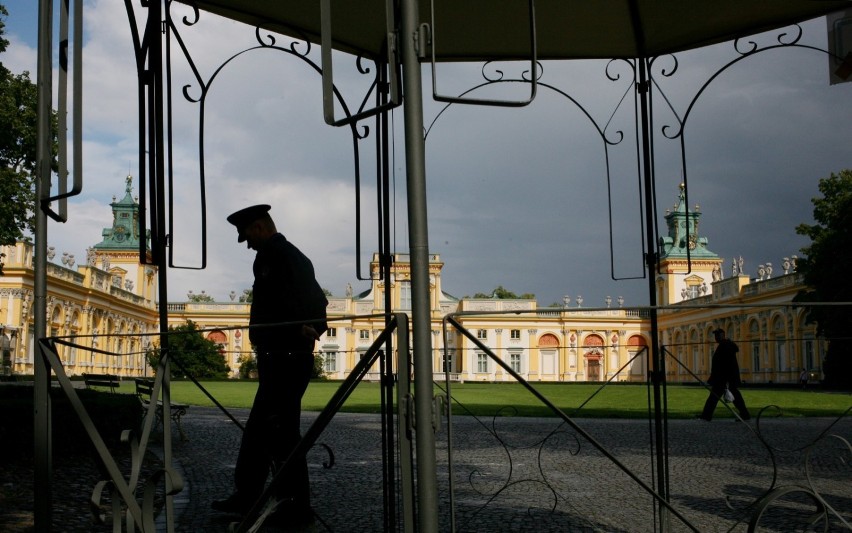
<point x="109" y="302"/>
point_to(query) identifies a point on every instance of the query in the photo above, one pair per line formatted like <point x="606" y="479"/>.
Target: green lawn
<point x="487" y="399"/>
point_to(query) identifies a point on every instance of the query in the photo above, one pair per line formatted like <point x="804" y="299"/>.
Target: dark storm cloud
<point x="516" y="197"/>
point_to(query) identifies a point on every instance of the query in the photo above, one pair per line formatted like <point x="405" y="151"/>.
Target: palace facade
<point x="109" y="303"/>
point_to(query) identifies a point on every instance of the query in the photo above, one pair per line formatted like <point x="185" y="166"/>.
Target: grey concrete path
<point x="524" y="474"/>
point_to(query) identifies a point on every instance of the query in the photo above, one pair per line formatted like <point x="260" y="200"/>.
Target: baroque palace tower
<point x="118" y="252"/>
<point x="687" y="266"/>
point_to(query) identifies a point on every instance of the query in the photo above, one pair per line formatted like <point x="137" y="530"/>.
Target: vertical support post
<point x="406" y="459"/>
<point x="159" y="242"/>
<point x="43" y="457"/>
<point x="385" y="262"/>
<point x="658" y="374"/>
<point x="418" y="235"/>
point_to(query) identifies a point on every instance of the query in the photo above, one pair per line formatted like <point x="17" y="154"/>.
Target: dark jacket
<point x="724" y="368"/>
<point x="285" y="290"/>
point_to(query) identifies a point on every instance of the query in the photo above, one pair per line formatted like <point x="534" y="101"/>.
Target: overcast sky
<point x="516" y="197"/>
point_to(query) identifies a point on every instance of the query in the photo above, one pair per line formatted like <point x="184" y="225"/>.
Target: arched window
<point x="593" y="341"/>
<point x="548" y="345"/>
<point x="548" y="340"/>
<point x="593" y="348"/>
<point x="638" y="361"/>
<point x="221" y="340"/>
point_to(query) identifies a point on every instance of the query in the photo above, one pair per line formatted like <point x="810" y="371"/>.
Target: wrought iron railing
<point x="533" y="462"/>
<point x="133" y="499"/>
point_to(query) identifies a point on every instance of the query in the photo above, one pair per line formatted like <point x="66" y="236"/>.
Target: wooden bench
<point x="144" y="388"/>
<point x="102" y="380"/>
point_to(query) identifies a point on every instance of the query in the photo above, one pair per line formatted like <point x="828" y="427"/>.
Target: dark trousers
<point x="716" y="393"/>
<point x="273" y="428"/>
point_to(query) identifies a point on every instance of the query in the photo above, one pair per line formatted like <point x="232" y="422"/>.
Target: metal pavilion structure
<point x="399" y="36"/>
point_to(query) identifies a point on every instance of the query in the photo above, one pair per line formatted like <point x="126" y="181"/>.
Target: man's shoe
<point x="234" y="504"/>
<point x="702" y="417"/>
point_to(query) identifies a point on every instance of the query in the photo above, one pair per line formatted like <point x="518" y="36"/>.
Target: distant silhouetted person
<point x="803" y="379"/>
<point x="724" y="373"/>
<point x="285" y="290"/>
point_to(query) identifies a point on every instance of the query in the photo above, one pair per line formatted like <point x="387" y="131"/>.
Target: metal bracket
<point x="61" y="214"/>
<point x="328" y="91"/>
<point x="423" y="40"/>
<point x="408" y="407"/>
<point x="439" y="406"/>
<point x="486" y="101"/>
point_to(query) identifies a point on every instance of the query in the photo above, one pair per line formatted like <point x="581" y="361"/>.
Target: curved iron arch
<point x="751" y="50"/>
<point x="602" y="133"/>
<point x="265" y="42"/>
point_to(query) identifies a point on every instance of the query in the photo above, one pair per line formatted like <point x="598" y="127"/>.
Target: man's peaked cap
<point x="246" y="216"/>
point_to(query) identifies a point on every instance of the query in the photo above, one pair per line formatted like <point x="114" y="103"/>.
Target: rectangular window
<point x="330" y="361"/>
<point x="781" y="355"/>
<point x="331" y="332"/>
<point x="755" y="357"/>
<point x="548" y="362"/>
<point x="809" y="353"/>
<point x="515" y="362"/>
<point x="481" y="334"/>
<point x="481" y="363"/>
<point x="54" y="332"/>
<point x="364" y="334"/>
<point x="405" y="295"/>
<point x="515" y="334"/>
<point x="30" y="349"/>
<point x="448" y="361"/>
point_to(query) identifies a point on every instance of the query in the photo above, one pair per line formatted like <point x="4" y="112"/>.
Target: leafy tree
<point x="199" y="356"/>
<point x="248" y="366"/>
<point x="317" y="372"/>
<point x="504" y="294"/>
<point x="203" y="297"/>
<point x="825" y="270"/>
<point x="18" y="140"/>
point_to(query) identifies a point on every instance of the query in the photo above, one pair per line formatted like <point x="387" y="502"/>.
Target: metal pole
<point x="418" y="235"/>
<point x="385" y="261"/>
<point x="657" y="372"/>
<point x="43" y="458"/>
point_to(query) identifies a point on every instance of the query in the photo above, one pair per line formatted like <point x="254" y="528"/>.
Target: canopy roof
<point x="499" y="29"/>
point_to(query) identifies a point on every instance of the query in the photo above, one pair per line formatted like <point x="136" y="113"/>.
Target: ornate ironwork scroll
<point x="121" y="490"/>
<point x="198" y="91"/>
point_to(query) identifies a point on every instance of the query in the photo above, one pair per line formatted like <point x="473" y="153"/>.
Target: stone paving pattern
<point x="522" y="474"/>
<point x="537" y="474"/>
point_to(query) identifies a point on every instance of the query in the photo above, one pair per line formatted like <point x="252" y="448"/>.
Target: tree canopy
<point x="825" y="271"/>
<point x="203" y="297"/>
<point x="500" y="293"/>
<point x="198" y="356"/>
<point x="18" y="140"/>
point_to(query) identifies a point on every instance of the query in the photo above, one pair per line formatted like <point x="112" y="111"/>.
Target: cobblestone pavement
<point x="518" y="474"/>
<point x="535" y="474"/>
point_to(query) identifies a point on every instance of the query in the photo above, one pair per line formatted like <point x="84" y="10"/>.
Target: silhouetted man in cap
<point x="285" y="291"/>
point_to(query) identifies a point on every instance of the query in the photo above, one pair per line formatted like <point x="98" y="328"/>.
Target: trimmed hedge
<point x="111" y="414"/>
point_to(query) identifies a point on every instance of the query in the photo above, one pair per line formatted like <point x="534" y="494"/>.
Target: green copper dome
<point x="683" y="236"/>
<point x="124" y="233"/>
